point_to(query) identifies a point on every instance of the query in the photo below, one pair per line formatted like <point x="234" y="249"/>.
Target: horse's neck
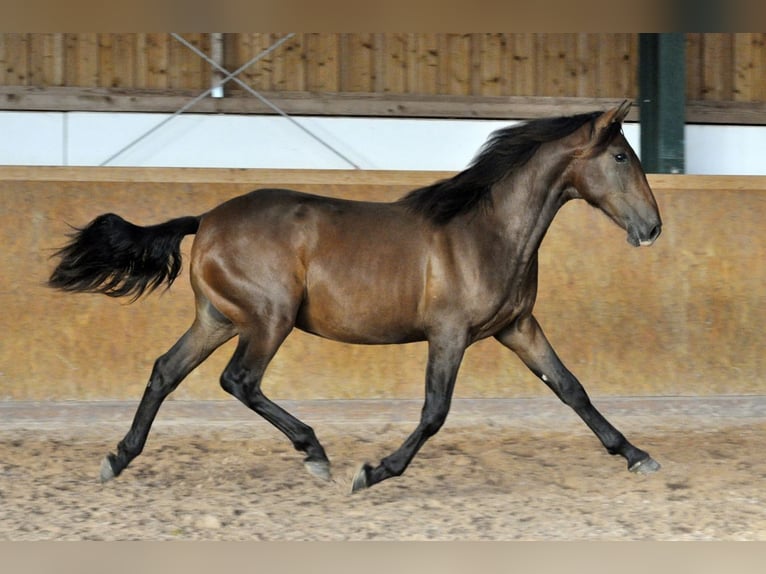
<point x="525" y="205"/>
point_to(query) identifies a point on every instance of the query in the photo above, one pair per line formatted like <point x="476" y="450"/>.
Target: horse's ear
<point x="605" y="127"/>
<point x="605" y="122"/>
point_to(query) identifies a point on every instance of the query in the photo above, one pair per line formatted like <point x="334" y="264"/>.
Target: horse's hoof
<point x="360" y="480"/>
<point x="319" y="469"/>
<point x="646" y="466"/>
<point x="107" y="472"/>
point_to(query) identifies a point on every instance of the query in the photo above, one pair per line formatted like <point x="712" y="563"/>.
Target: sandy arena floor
<point x="524" y="469"/>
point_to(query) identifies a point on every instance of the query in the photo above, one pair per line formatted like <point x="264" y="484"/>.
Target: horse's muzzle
<point x="642" y="238"/>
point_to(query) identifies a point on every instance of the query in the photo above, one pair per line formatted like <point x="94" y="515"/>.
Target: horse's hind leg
<point x="208" y="332"/>
<point x="444" y="357"/>
<point x="242" y="378"/>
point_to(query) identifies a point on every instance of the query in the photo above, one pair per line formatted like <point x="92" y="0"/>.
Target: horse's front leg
<point x="444" y="357"/>
<point x="528" y="341"/>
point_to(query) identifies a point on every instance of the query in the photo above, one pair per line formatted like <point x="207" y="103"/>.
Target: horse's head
<point x="607" y="173"/>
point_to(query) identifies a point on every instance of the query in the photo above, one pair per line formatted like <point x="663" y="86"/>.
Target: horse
<point x="450" y="264"/>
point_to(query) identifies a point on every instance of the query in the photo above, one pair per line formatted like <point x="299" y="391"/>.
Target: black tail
<point x="117" y="258"/>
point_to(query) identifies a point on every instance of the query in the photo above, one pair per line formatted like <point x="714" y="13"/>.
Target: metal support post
<point x="662" y="78"/>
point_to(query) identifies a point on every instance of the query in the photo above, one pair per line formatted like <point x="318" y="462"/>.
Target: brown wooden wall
<point x="392" y="70"/>
<point x="590" y="65"/>
<point x="683" y="317"/>
<point x="726" y="67"/>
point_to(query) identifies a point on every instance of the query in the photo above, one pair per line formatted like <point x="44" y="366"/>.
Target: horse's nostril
<point x="656" y="230"/>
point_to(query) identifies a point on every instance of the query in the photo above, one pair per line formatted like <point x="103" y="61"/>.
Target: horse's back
<point x="308" y="224"/>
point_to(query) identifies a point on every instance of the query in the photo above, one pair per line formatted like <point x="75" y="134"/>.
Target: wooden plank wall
<point x="683" y="317"/>
<point x="721" y="67"/>
<point x="585" y="65"/>
<point x="147" y="61"/>
<point x="592" y="65"/>
<point x="726" y="67"/>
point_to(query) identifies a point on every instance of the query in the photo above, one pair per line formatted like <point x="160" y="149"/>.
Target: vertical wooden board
<point x="743" y="67"/>
<point x="185" y="68"/>
<point x="505" y="47"/>
<point x="586" y="62"/>
<point x="259" y="75"/>
<point x="758" y="46"/>
<point x="412" y="62"/>
<point x="312" y="67"/>
<point x="541" y="65"/>
<point x="748" y="71"/>
<point x="460" y="63"/>
<point x="475" y="77"/>
<point x="482" y="62"/>
<point x="760" y="94"/>
<point x="34" y="57"/>
<point x="289" y="65"/>
<point x="329" y="73"/>
<point x="694" y="63"/>
<point x="717" y="74"/>
<point x="57" y="59"/>
<point x="15" y="59"/>
<point x="140" y="61"/>
<point x="355" y="62"/>
<point x="629" y="75"/>
<point x="322" y="59"/>
<point x="87" y="64"/>
<point x="567" y="45"/>
<point x="488" y="70"/>
<point x="264" y="67"/>
<point x="602" y="61"/>
<point x="425" y="56"/>
<point x="392" y="72"/>
<point x="378" y="69"/>
<point x="70" y="59"/>
<point x="38" y="60"/>
<point x="3" y="58"/>
<point x="443" y="70"/>
<point x="619" y="65"/>
<point x="244" y="47"/>
<point x="521" y="75"/>
<point x="454" y="64"/>
<point x="549" y="65"/>
<point x="106" y="68"/>
<point x="631" y="67"/>
<point x="206" y="70"/>
<point x="124" y="59"/>
<point x="176" y="60"/>
<point x="156" y="46"/>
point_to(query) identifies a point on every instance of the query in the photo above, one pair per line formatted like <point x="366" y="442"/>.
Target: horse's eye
<point x="621" y="157"/>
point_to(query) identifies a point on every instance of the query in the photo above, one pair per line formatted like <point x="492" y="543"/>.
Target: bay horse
<point x="450" y="264"/>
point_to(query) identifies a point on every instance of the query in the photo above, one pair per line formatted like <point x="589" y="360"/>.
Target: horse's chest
<point x="504" y="304"/>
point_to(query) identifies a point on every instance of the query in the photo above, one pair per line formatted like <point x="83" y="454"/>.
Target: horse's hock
<point x="683" y="317"/>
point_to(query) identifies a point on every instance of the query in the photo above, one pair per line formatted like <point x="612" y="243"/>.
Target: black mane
<point x="507" y="149"/>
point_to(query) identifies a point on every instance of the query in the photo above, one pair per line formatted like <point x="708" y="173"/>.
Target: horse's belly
<point x="368" y="322"/>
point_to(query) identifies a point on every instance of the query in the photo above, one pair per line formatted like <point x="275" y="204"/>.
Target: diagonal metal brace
<point x="260" y="97"/>
<point x="228" y="77"/>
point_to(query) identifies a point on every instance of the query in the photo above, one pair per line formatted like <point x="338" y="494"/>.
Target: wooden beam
<point x="24" y="98"/>
<point x="298" y="103"/>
